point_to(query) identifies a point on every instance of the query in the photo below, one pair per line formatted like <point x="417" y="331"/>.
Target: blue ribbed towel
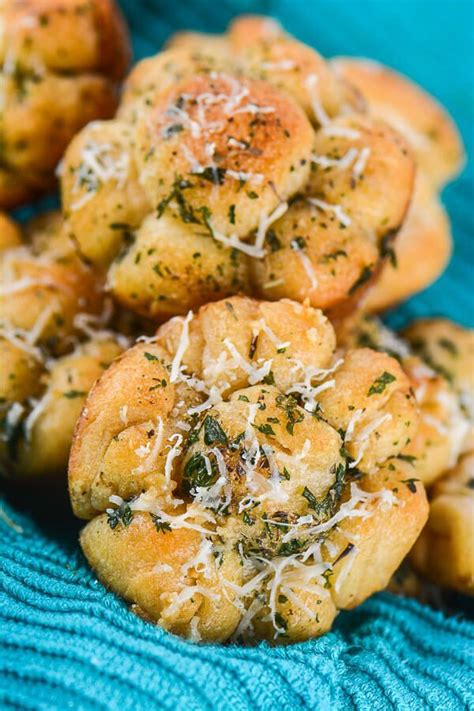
<point x="65" y="642"/>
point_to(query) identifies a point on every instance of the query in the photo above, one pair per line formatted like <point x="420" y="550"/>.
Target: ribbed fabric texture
<point x="65" y="642"/>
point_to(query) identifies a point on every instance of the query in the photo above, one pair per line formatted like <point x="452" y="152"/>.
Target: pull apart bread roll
<point x="50" y="352"/>
<point x="44" y="284"/>
<point x="437" y="356"/>
<point x="61" y="62"/>
<point x="423" y="246"/>
<point x="240" y="480"/>
<point x="263" y="50"/>
<point x="444" y="553"/>
<point x="216" y="179"/>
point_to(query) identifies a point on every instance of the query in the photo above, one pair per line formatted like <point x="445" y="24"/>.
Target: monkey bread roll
<point x="263" y="50"/>
<point x="52" y="346"/>
<point x="415" y="113"/>
<point x="421" y="252"/>
<point x="61" y="62"/>
<point x="437" y="356"/>
<point x="240" y="479"/>
<point x="215" y="179"/>
<point x="444" y="553"/>
<point x="448" y="348"/>
<point x="41" y="399"/>
<point x="424" y="243"/>
<point x="44" y="284"/>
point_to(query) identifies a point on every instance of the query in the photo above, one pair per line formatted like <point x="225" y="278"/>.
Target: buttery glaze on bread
<point x="242" y="482"/>
<point x="415" y="113"/>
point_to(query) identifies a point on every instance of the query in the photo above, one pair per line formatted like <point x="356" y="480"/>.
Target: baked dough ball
<point x="445" y="427"/>
<point x="52" y="347"/>
<point x="263" y="50"/>
<point x="424" y="243"/>
<point x="163" y="71"/>
<point x="420" y="254"/>
<point x="234" y="473"/>
<point x="330" y="243"/>
<point x="165" y="201"/>
<point x="212" y="179"/>
<point x="40" y="401"/>
<point x="44" y="284"/>
<point x="61" y="63"/>
<point x="444" y="553"/>
<point x="102" y="198"/>
<point x="415" y="113"/>
<point x="271" y="158"/>
<point x="267" y="52"/>
<point x="449" y="348"/>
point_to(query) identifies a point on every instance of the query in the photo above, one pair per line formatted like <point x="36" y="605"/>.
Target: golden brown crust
<point x="445" y="426"/>
<point x="196" y="42"/>
<point x="444" y="553"/>
<point x="61" y="62"/>
<point x="51" y="346"/>
<point x="39" y="413"/>
<point x="449" y="348"/>
<point x="213" y="110"/>
<point x="101" y="204"/>
<point x="369" y="571"/>
<point x="212" y="463"/>
<point x="416" y="114"/>
<point x="329" y="244"/>
<point x="43" y="285"/>
<point x="267" y="52"/>
<point x="421" y="252"/>
<point x="158" y="283"/>
<point x="158" y="74"/>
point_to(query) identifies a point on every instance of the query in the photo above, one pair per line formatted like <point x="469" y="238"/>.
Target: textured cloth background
<point x="67" y="643"/>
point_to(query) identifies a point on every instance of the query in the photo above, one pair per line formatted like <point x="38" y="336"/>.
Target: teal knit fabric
<point x="65" y="642"/>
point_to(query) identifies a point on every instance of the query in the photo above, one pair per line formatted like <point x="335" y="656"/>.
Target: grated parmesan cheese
<point x="320" y="114"/>
<point x="182" y="347"/>
<point x="343" y="218"/>
<point x="150" y="461"/>
<point x="361" y="162"/>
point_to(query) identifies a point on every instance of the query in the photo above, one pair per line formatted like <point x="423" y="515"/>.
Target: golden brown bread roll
<point x="330" y="243"/>
<point x="424" y="244"/>
<point x="421" y="253"/>
<point x="437" y="356"/>
<point x="44" y="285"/>
<point x="41" y="401"/>
<point x="239" y="479"/>
<point x="415" y="113"/>
<point x="444" y="552"/>
<point x="61" y="61"/>
<point x="232" y="167"/>
<point x="52" y="346"/>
